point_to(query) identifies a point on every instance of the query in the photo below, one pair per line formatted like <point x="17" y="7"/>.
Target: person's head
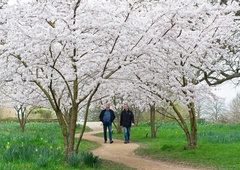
<point x="125" y="107"/>
<point x="107" y="106"/>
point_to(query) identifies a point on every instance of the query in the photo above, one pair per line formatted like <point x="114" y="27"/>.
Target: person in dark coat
<point x="126" y="121"/>
<point x="107" y="116"/>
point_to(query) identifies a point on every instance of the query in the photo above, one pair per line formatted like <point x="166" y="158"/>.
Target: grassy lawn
<point x="218" y="144"/>
<point x="40" y="147"/>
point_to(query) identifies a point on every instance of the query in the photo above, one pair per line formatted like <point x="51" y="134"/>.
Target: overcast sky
<point x="227" y="91"/>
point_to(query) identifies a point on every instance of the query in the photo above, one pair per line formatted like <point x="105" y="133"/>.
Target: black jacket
<point x="112" y="115"/>
<point x="126" y="118"/>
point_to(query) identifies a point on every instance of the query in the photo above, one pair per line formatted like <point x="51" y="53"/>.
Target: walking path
<point x="124" y="153"/>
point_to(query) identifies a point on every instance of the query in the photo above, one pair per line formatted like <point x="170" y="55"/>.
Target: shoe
<point x="105" y="141"/>
<point x="128" y="141"/>
<point x="125" y="142"/>
<point x="111" y="142"/>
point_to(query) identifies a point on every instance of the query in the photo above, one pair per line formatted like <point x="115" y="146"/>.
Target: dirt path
<point x="124" y="153"/>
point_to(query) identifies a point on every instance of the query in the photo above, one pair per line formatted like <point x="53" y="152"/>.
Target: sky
<point x="227" y="91"/>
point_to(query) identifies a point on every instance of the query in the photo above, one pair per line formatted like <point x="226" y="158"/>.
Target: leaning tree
<point x="184" y="45"/>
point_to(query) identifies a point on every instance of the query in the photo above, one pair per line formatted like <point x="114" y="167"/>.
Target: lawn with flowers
<point x="41" y="147"/>
<point x="218" y="144"/>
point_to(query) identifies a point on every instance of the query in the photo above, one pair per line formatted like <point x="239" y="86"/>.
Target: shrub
<point x="220" y="137"/>
<point x="42" y="113"/>
<point x="90" y="160"/>
<point x="167" y="147"/>
<point x="17" y="151"/>
<point x="73" y="160"/>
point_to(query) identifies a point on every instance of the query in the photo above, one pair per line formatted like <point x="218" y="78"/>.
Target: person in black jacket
<point x="107" y="116"/>
<point x="126" y="121"/>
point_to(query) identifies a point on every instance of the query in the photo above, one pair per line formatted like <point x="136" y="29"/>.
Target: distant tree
<point x="234" y="109"/>
<point x="199" y="107"/>
<point x="24" y="105"/>
<point x="94" y="113"/>
<point x="137" y="114"/>
<point x="215" y="110"/>
<point x="23" y="114"/>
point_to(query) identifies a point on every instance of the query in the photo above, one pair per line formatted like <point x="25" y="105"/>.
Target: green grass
<point x="218" y="144"/>
<point x="40" y="147"/>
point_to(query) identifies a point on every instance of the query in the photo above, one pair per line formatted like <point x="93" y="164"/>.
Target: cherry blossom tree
<point x="184" y="45"/>
<point x="60" y="68"/>
<point x="66" y="50"/>
<point x="194" y="44"/>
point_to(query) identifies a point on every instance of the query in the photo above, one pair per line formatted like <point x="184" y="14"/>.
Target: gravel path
<point x="124" y="153"/>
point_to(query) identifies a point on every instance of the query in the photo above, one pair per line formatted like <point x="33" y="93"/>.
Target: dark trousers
<point x="107" y="125"/>
<point x="126" y="133"/>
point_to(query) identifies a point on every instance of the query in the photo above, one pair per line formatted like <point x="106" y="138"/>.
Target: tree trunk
<point x="117" y="127"/>
<point x="137" y="115"/>
<point x="22" y="116"/>
<point x="72" y="127"/>
<point x="117" y="115"/>
<point x="191" y="142"/>
<point x="116" y="123"/>
<point x="86" y="116"/>
<point x="152" y="121"/>
<point x="83" y="128"/>
<point x="64" y="129"/>
<point x="190" y="136"/>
